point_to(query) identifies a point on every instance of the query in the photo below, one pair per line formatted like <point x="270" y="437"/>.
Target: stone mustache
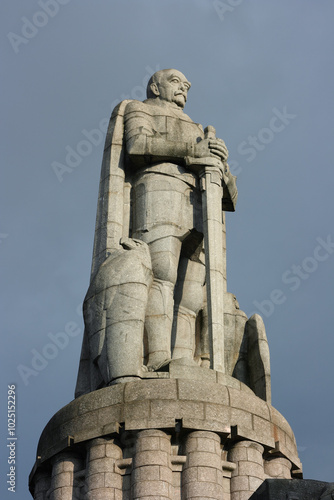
<point x="157" y="294"/>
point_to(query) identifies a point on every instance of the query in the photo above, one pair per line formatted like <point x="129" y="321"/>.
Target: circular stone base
<point x="218" y="403"/>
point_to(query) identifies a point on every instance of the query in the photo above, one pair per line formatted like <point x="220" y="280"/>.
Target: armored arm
<point x="145" y="145"/>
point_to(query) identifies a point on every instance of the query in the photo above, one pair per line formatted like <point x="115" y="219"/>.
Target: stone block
<point x="250" y="469"/>
<point x="239" y="483"/>
<point x="196" y="441"/>
<point x="241" y="418"/>
<point x="102" y="494"/>
<point x="152" y="489"/>
<point x="166" y="474"/>
<point x="163" y="423"/>
<point x="278" y="467"/>
<point x="95" y="400"/>
<point x="204" y="425"/>
<point x="62" y="479"/>
<point x="58" y="465"/>
<point x="88" y="420"/>
<point x="201" y="391"/>
<point x="150" y="389"/>
<point x="256" y="436"/>
<point x="208" y="474"/>
<point x="179" y="371"/>
<point x="209" y="445"/>
<point x="218" y="412"/>
<point x="201" y="458"/>
<point x="118" y="494"/>
<point x="249" y="403"/>
<point x="238" y="453"/>
<point x="113" y="451"/>
<point x="204" y="490"/>
<point x="189" y="475"/>
<point x="96" y="481"/>
<point x="254" y="453"/>
<point x="177" y="409"/>
<point x="263" y="428"/>
<point x="110" y="414"/>
<point x="144" y="458"/>
<point x="148" y="443"/>
<point x="132" y="424"/>
<point x="113" y="480"/>
<point x="101" y="464"/>
<point x="87" y="434"/>
<point x="136" y="410"/>
<point x="279" y="421"/>
<point x="57" y="494"/>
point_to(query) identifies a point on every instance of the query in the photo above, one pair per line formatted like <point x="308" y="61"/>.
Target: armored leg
<point x="189" y="298"/>
<point x="159" y="314"/>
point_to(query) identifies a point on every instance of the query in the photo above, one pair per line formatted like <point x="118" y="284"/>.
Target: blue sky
<point x="262" y="74"/>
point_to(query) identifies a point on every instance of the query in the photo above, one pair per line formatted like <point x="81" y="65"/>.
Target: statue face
<point x="172" y="87"/>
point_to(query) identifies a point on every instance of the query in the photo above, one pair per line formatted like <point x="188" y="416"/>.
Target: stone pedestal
<point x="208" y="437"/>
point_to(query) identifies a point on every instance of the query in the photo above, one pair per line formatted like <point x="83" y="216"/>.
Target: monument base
<point x="179" y="435"/>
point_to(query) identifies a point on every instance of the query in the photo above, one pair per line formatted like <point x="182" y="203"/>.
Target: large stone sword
<point x="211" y="174"/>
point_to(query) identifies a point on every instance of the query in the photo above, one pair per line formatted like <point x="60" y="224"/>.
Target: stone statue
<point x="173" y="390"/>
<point x="156" y="289"/>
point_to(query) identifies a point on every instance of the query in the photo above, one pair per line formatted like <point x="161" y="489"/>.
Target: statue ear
<point x="154" y="89"/>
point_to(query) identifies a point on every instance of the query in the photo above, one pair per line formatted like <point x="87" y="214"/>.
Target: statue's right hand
<point x="202" y="149"/>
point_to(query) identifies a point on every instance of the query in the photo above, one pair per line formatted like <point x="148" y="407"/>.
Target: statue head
<point x="169" y="85"/>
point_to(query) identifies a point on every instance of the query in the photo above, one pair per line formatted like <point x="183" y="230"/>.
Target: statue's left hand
<point x="218" y="148"/>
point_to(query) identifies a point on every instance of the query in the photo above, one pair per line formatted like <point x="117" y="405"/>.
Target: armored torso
<point x="165" y="122"/>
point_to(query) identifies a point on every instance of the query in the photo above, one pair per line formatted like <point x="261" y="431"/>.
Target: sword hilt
<point x="209" y="132"/>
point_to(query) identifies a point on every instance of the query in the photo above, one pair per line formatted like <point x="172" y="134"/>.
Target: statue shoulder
<point x="137" y="107"/>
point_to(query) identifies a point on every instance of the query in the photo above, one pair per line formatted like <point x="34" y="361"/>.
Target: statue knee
<point x="164" y="267"/>
<point x="191" y="294"/>
<point x="192" y="297"/>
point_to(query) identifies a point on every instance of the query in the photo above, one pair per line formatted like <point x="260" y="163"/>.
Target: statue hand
<point x="211" y="147"/>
